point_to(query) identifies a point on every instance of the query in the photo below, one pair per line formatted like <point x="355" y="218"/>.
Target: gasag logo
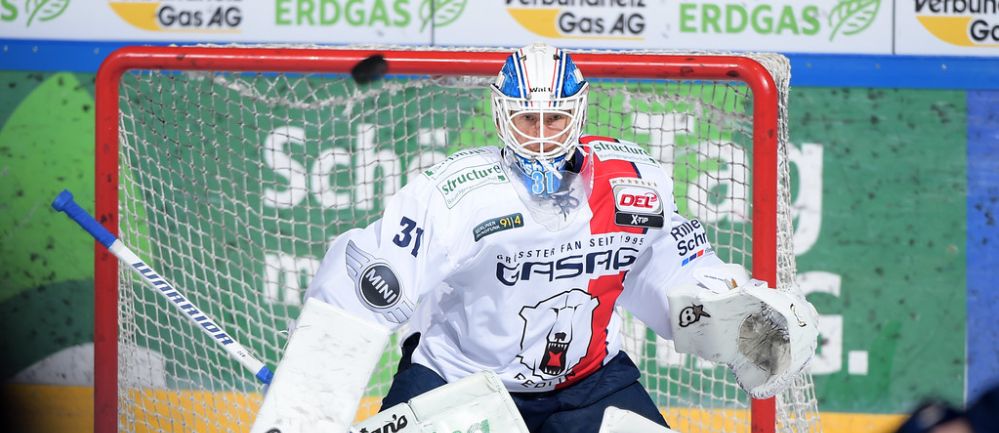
<point x="204" y="16"/>
<point x="369" y="13"/>
<point x="592" y="263"/>
<point x="846" y="18"/>
<point x="965" y="23"/>
<point x="32" y="11"/>
<point x="581" y="19"/>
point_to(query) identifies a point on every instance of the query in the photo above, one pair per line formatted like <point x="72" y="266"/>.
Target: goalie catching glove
<point x="765" y="336"/>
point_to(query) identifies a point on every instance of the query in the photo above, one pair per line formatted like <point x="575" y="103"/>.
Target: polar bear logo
<point x="557" y="333"/>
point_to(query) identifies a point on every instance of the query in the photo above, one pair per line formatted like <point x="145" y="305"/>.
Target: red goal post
<point x="767" y="106"/>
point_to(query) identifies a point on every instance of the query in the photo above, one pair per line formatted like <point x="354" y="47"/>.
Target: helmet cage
<point x="558" y="144"/>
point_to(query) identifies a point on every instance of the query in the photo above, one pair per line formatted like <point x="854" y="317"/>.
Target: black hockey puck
<point x="370" y="69"/>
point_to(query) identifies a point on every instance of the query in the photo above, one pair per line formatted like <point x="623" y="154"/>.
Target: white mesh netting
<point x="233" y="184"/>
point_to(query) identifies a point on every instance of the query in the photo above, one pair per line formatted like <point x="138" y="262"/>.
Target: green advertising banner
<point x="885" y="260"/>
<point x="46" y="266"/>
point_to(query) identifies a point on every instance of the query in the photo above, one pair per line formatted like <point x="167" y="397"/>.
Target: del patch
<point x="494" y="225"/>
<point x="637" y="203"/>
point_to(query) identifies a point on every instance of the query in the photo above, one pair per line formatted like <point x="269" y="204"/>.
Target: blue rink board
<point x="983" y="242"/>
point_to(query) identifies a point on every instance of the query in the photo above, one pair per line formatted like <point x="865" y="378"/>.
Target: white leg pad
<point x="476" y="404"/>
<point x="625" y="421"/>
<point x="322" y="376"/>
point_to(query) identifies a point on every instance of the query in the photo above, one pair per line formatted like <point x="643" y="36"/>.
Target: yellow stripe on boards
<point x="58" y="409"/>
<point x="841" y="422"/>
<point x="188" y="411"/>
<point x="48" y="408"/>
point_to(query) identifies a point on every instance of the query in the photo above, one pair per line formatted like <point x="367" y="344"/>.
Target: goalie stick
<point x="64" y="203"/>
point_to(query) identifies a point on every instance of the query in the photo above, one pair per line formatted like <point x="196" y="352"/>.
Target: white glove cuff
<point x="764" y="335"/>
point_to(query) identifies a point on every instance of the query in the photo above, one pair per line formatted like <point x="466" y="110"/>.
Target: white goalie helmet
<point x="539" y="106"/>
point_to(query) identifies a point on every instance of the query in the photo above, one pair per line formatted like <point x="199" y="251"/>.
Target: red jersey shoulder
<point x="640" y="189"/>
<point x="587" y="139"/>
<point x="606" y="149"/>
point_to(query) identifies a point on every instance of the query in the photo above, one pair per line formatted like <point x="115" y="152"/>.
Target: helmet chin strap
<point x="541" y="176"/>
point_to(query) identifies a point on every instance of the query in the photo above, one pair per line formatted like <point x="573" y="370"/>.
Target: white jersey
<point x="498" y="290"/>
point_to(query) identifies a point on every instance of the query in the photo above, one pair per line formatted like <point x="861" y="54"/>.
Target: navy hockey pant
<point x="576" y="409"/>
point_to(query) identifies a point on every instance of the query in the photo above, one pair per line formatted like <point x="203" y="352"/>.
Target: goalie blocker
<point x="765" y="336"/>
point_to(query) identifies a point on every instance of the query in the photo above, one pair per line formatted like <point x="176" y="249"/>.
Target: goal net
<point x="231" y="169"/>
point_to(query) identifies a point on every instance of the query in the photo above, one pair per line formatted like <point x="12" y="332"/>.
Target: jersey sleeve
<point x="383" y="270"/>
<point x="679" y="249"/>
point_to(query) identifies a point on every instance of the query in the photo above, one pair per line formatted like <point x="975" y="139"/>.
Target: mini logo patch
<point x="494" y="225"/>
<point x="637" y="203"/>
<point x="377" y="285"/>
